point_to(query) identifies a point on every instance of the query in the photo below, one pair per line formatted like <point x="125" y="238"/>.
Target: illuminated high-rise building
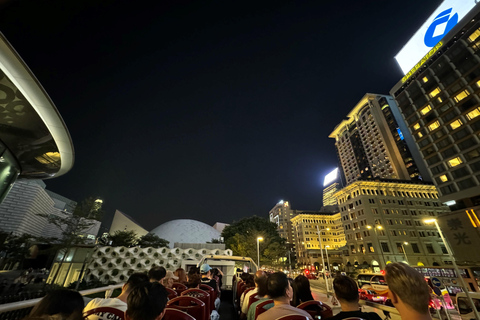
<point x="281" y="215"/>
<point x="371" y="144"/>
<point x="331" y="184"/>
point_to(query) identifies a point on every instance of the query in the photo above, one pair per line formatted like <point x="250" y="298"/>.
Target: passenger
<point x="207" y="279"/>
<point x="408" y="291"/>
<point x="182" y="275"/>
<point x="346" y="291"/>
<point x="280" y="290"/>
<point x="249" y="283"/>
<point x="147" y="302"/>
<point x="61" y="304"/>
<point x="120" y="302"/>
<point x="194" y="281"/>
<point x="262" y="295"/>
<point x="169" y="279"/>
<point x="218" y="275"/>
<point x="246" y="297"/>
<point x="301" y="290"/>
<point x="156" y="274"/>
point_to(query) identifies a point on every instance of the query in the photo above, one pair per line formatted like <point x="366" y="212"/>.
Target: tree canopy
<point x="241" y="237"/>
<point x="123" y="238"/>
<point x="151" y="240"/>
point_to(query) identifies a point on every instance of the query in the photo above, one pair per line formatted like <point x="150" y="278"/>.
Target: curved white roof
<point x="186" y="231"/>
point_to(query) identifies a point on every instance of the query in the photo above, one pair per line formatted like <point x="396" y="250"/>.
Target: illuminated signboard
<point x="330" y="177"/>
<point x="443" y="19"/>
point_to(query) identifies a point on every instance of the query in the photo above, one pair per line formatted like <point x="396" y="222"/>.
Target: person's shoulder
<point x="111" y="302"/>
<point x="373" y="316"/>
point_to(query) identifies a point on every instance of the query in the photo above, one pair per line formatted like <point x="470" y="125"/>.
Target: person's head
<point x="407" y="288"/>
<point x="278" y="287"/>
<point x="169" y="279"/>
<point x="301" y="290"/>
<point x="181" y="274"/>
<point x="345" y="288"/>
<point x="136" y="279"/>
<point x="261" y="283"/>
<point x="157" y="273"/>
<point x="250" y="282"/>
<point x="194" y="280"/>
<point x="244" y="276"/>
<point x="147" y="302"/>
<point x="67" y="303"/>
<point x="205" y="270"/>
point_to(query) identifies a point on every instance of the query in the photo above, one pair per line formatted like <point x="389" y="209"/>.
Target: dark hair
<point x="261" y="285"/>
<point x="136" y="279"/>
<point x="301" y="290"/>
<point x="193" y="270"/>
<point x="157" y="273"/>
<point x="68" y="303"/>
<point x="277" y="285"/>
<point x="244" y="276"/>
<point x="181" y="274"/>
<point x="250" y="282"/>
<point x="345" y="288"/>
<point x="147" y="302"/>
<point x="193" y="280"/>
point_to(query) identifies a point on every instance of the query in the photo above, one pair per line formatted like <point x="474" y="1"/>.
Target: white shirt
<point x="99" y="302"/>
<point x="246" y="298"/>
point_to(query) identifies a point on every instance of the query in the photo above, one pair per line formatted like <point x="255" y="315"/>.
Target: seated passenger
<point x="61" y="304"/>
<point x="147" y="302"/>
<point x="120" y="302"/>
<point x="156" y="274"/>
<point x="280" y="290"/>
<point x="408" y="291"/>
<point x="346" y="291"/>
<point x="169" y="279"/>
<point x="182" y="275"/>
<point x="261" y="295"/>
<point x="250" y="283"/>
<point x="301" y="290"/>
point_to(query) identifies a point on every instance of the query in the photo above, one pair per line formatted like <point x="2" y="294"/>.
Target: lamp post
<point x="378" y="240"/>
<point x="328" y="264"/>
<point x="258" y="250"/>
<point x="404" y="252"/>
<point x="450" y="254"/>
<point x="323" y="261"/>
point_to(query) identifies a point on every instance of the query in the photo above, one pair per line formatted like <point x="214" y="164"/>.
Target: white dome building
<point x="186" y="231"/>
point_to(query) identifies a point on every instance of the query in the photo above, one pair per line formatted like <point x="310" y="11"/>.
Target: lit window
<point x="425" y="79"/>
<point x="444" y="178"/>
<point x="419" y="135"/>
<point x="474" y="35"/>
<point x="426" y="110"/>
<point x="462" y="95"/>
<point x="439" y="99"/>
<point x="455" y="124"/>
<point x="473" y="114"/>
<point x="434" y="92"/>
<point x="434" y="125"/>
<point x="416" y="126"/>
<point x="478" y="83"/>
<point x="454" y="162"/>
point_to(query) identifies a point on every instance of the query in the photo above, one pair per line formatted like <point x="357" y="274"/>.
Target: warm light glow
<point x="416" y="126"/>
<point x="455" y="162"/>
<point x="426" y="110"/>
<point x="369" y="227"/>
<point x="443" y="178"/>
<point x="462" y="95"/>
<point x="260" y="239"/>
<point x="434" y="125"/>
<point x="455" y="124"/>
<point x="429" y="220"/>
<point x="379" y="227"/>
<point x="405" y="243"/>
<point x="473" y="114"/>
<point x="434" y="92"/>
<point x="425" y="79"/>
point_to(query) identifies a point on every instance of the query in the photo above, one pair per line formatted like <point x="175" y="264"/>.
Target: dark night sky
<point x="207" y="110"/>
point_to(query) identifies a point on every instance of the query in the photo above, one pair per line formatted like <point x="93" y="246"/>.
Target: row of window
<point x="401" y="248"/>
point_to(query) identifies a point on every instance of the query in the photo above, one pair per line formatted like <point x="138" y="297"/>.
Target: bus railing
<point x="30" y="303"/>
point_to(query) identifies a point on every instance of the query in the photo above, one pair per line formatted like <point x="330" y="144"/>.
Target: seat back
<point x="213" y="295"/>
<point x="317" y="308"/>
<point x="260" y="307"/>
<point x="119" y="314"/>
<point x="171" y="293"/>
<point x="243" y="287"/>
<point x="202" y="295"/>
<point x="175" y="314"/>
<point x="190" y="305"/>
<point x="293" y="317"/>
<point x="179" y="287"/>
<point x="253" y="298"/>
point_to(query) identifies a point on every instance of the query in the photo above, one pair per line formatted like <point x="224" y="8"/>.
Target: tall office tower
<point x="383" y="221"/>
<point x="281" y="215"/>
<point x="370" y="143"/>
<point x="331" y="184"/>
<point x="439" y="99"/>
<point x="308" y="246"/>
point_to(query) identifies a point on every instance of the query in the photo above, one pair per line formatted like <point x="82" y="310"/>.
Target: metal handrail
<point x="30" y="303"/>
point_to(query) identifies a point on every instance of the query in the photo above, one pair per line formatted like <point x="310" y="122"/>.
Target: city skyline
<point x="207" y="112"/>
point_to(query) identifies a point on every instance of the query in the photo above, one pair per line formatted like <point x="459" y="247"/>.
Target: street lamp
<point x="323" y="261"/>
<point x="450" y="254"/>
<point x="328" y="261"/>
<point x="404" y="252"/>
<point x="258" y="250"/>
<point x="378" y="240"/>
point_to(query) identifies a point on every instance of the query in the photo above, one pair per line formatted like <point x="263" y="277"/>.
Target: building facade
<point x="384" y="222"/>
<point x="370" y="143"/>
<point x="331" y="184"/>
<point x="309" y="243"/>
<point x="281" y="215"/>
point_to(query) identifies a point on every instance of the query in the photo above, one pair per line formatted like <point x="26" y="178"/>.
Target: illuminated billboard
<point x="443" y="19"/>
<point x="332" y="176"/>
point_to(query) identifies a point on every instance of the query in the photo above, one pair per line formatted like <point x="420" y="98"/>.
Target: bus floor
<point x="226" y="310"/>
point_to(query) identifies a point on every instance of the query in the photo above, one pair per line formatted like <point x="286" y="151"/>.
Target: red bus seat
<point x="175" y="314"/>
<point x="190" y="305"/>
<point x="202" y="295"/>
<point x="317" y="308"/>
<point x="260" y="307"/>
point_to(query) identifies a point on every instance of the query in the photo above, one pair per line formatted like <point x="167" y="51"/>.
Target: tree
<point x="15" y="249"/>
<point x="123" y="238"/>
<point x="241" y="237"/>
<point x="152" y="240"/>
<point x="72" y="227"/>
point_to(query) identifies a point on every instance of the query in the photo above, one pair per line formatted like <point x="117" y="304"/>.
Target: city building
<point x="34" y="141"/>
<point x="371" y="144"/>
<point x="384" y="222"/>
<point x="439" y="99"/>
<point x="123" y="222"/>
<point x="331" y="184"/>
<point x="281" y="215"/>
<point x="308" y="245"/>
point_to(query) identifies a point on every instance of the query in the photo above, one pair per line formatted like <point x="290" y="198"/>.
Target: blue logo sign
<point x="436" y="282"/>
<point x="431" y="39"/>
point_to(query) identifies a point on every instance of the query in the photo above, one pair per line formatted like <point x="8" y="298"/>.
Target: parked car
<point x="371" y="295"/>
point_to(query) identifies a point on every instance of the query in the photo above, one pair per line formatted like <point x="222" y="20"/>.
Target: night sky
<point x="208" y="110"/>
